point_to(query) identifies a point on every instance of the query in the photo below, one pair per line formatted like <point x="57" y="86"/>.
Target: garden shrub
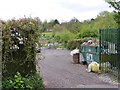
<point x="64" y="37"/>
<point x="87" y="34"/>
<point x="76" y="43"/>
<point x="23" y="83"/>
<point x="19" y="48"/>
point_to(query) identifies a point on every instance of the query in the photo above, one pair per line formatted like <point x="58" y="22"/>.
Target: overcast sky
<point x="63" y="10"/>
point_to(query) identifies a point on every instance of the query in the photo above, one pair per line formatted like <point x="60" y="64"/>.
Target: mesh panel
<point x="110" y="51"/>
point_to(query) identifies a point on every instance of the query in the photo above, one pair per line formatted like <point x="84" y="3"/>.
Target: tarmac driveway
<point x="58" y="71"/>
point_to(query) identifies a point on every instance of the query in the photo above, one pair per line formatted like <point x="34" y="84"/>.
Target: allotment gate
<point x="110" y="51"/>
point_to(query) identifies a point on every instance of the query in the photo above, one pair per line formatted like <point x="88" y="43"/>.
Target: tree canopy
<point x="116" y="5"/>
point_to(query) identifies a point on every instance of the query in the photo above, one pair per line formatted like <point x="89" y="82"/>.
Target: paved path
<point x="58" y="71"/>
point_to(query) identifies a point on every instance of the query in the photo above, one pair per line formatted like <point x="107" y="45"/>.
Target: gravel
<point x="58" y="71"/>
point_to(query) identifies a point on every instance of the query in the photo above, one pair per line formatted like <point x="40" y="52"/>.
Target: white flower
<point x="30" y="22"/>
<point x="15" y="46"/>
<point x="11" y="48"/>
<point x="21" y="42"/>
<point x="12" y="34"/>
<point x="20" y="39"/>
<point x="16" y="33"/>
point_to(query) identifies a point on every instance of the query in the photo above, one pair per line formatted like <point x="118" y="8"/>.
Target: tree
<point x="44" y="26"/>
<point x="56" y="21"/>
<point x="73" y="20"/>
<point x="116" y="5"/>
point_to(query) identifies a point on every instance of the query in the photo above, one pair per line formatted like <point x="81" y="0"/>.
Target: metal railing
<point x="110" y="51"/>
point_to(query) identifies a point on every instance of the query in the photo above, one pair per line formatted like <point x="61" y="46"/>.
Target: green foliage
<point x="87" y="34"/>
<point x="76" y="43"/>
<point x="117" y="18"/>
<point x="64" y="37"/>
<point x="58" y="28"/>
<point x="47" y="34"/>
<point x="23" y="83"/>
<point x="19" y="48"/>
<point x="116" y="5"/>
<point x="106" y="20"/>
<point x="66" y="32"/>
<point x="88" y="28"/>
<point x="46" y="26"/>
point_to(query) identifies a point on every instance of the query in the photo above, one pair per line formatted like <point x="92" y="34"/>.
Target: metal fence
<point x="110" y="51"/>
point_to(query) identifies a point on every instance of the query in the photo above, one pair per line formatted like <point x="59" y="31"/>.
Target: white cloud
<point x="52" y="9"/>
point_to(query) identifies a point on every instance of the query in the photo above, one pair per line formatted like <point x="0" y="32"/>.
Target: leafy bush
<point x="64" y="37"/>
<point x="23" y="83"/>
<point x="87" y="34"/>
<point x="19" y="48"/>
<point x="76" y="43"/>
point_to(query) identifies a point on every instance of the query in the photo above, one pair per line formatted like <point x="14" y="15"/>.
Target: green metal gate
<point x="110" y="51"/>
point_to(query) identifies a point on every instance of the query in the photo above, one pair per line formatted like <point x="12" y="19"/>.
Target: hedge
<point x="18" y="46"/>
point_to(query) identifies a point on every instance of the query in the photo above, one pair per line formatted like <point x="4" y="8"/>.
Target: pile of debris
<point x="92" y="42"/>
